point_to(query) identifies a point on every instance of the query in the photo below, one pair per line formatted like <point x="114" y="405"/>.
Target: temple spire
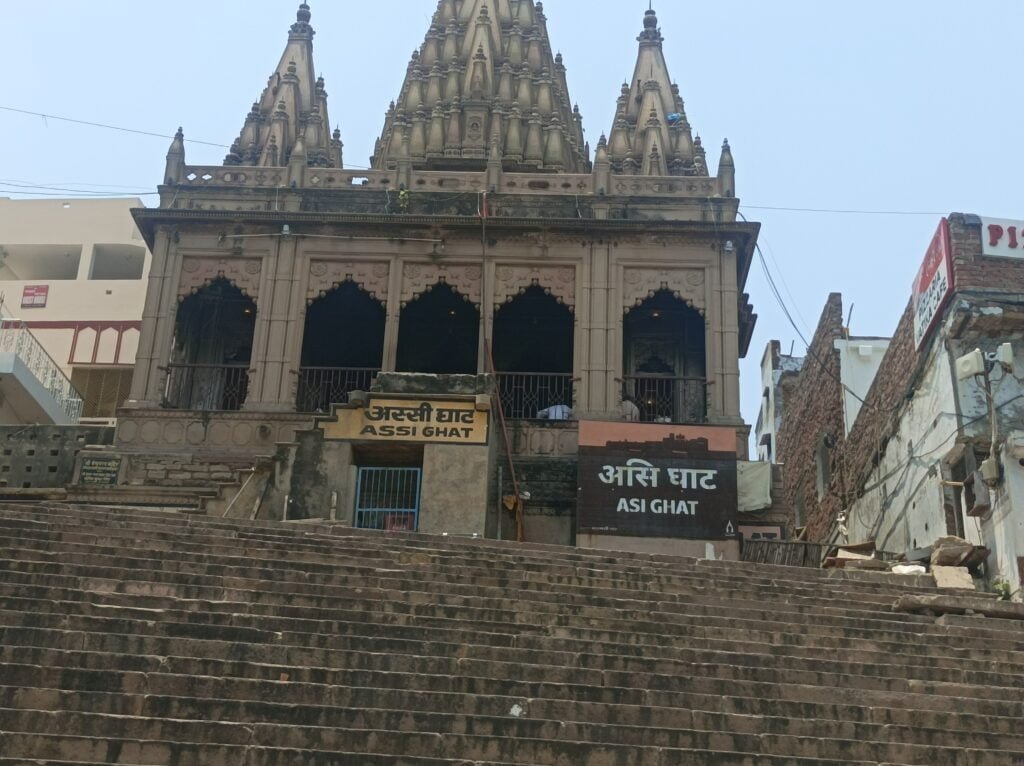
<point x="485" y="76"/>
<point x="291" y="111"/>
<point x="175" y="168"/>
<point x="651" y="134"/>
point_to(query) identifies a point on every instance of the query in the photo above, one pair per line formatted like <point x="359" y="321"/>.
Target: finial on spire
<point x="651" y="33"/>
<point x="301" y="26"/>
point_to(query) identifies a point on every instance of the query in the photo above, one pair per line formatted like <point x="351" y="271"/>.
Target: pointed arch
<point x="439" y="333"/>
<point x="665" y="359"/>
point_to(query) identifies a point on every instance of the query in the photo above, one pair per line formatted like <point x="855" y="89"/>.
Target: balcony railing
<point x="663" y="399"/>
<point x="16" y="338"/>
<point x="206" y="386"/>
<point x="320" y="387"/>
<point x="525" y="394"/>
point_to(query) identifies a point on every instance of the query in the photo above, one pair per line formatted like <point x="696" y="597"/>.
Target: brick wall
<point x="855" y="457"/>
<point x="813" y="408"/>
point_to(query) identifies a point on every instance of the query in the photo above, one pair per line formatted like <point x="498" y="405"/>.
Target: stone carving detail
<point x="324" y="276"/>
<point x="197" y="273"/>
<point x="557" y="281"/>
<point x="419" y="278"/>
<point x="686" y="284"/>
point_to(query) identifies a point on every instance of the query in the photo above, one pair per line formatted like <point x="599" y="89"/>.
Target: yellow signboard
<point x="410" y="420"/>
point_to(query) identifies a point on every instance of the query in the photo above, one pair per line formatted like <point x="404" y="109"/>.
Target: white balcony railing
<point x="16" y="338"/>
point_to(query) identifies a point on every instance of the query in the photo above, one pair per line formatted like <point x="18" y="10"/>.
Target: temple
<point x="485" y="272"/>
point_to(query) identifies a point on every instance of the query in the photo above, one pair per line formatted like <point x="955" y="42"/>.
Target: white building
<point x="73" y="281"/>
<point x="775" y="366"/>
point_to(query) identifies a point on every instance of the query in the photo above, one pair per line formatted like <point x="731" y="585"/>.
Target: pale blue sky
<point x="904" y="105"/>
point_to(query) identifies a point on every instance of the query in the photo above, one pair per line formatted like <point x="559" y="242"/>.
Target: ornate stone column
<point x="158" y="314"/>
<point x="393" y="316"/>
<point x="269" y="384"/>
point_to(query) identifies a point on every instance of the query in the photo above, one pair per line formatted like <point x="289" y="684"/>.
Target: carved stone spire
<point x="651" y="134"/>
<point x="487" y="59"/>
<point x="175" y="168"/>
<point x="292" y="110"/>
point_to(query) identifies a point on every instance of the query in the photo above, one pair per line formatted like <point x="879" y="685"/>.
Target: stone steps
<point x="129" y="752"/>
<point x="154" y="639"/>
<point x="526" y="740"/>
<point x="603" y="657"/>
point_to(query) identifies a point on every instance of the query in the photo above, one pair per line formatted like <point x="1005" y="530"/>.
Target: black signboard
<point x="674" y="487"/>
<point x="100" y="471"/>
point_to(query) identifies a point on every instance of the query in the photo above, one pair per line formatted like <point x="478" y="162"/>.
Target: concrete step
<point x="869" y="725"/>
<point x="332" y="535"/>
<point x="498" y="739"/>
<point x="579" y="654"/>
<point x="724" y="640"/>
<point x="155" y="753"/>
<point x="147" y="638"/>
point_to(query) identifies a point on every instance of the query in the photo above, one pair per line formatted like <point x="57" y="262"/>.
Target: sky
<point x="905" y="110"/>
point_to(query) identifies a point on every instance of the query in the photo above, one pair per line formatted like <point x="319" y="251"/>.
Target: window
<point x="103" y="390"/>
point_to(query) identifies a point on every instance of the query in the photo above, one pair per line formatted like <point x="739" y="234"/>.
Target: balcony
<point x="33" y="388"/>
<point x="320" y="387"/>
<point x="221" y="387"/>
<point x="524" y="394"/>
<point x="663" y="399"/>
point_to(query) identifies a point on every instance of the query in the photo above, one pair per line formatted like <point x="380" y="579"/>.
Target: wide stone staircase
<point x="158" y="639"/>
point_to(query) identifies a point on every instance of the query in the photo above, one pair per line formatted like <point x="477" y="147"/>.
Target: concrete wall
<point x="44" y="456"/>
<point x="902" y="501"/>
<point x="813" y="413"/>
<point x="455" y="493"/>
<point x="859" y="360"/>
<point x="79" y="312"/>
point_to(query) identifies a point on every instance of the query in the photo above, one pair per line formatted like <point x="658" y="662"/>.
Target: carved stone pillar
<point x="486" y="336"/>
<point x="147" y="380"/>
<point x="730" y="347"/>
<point x="269" y="386"/>
<point x="599" y="371"/>
<point x="393" y="316"/>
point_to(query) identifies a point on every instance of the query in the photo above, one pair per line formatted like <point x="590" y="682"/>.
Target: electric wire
<point x="777" y="294"/>
<point x="107" y="126"/>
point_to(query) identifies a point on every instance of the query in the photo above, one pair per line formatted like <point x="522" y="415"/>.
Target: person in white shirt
<point x="630" y="412"/>
<point x="555" y="412"/>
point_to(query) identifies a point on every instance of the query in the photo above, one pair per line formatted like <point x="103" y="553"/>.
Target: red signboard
<point x="34" y="296"/>
<point x="933" y="284"/>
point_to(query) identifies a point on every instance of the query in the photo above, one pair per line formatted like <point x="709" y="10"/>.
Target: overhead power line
<point x="106" y="126"/>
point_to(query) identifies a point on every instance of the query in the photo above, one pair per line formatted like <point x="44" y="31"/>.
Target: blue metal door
<point x="388" y="499"/>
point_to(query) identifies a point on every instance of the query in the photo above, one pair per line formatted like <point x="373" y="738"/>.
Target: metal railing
<point x="524" y="394"/>
<point x="664" y="399"/>
<point x="206" y="386"/>
<point x="16" y="338"/>
<point x="787" y="553"/>
<point x="320" y="387"/>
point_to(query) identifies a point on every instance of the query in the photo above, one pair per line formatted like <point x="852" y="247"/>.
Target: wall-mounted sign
<point x="933" y="284"/>
<point x="1001" y="238"/>
<point x="100" y="471"/>
<point x="410" y="420"/>
<point x="34" y="296"/>
<point x="644" y="480"/>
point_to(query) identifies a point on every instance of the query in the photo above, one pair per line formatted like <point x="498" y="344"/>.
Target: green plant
<point x="1002" y="587"/>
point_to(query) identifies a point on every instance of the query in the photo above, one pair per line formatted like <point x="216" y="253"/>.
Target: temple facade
<point x="490" y="261"/>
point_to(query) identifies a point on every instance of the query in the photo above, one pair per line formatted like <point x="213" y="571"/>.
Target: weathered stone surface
<point x="952" y="577"/>
<point x="158" y="639"/>
<point x="949" y="604"/>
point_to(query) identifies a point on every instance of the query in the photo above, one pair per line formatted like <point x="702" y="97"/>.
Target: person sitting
<point x="555" y="412"/>
<point x="630" y="412"/>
